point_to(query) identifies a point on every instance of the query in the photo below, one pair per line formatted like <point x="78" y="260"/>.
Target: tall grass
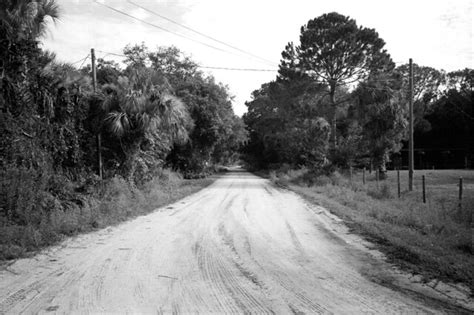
<point x="434" y="239"/>
<point x="37" y="209"/>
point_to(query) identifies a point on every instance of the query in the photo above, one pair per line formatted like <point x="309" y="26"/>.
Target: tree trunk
<point x="382" y="167"/>
<point x="332" y="94"/>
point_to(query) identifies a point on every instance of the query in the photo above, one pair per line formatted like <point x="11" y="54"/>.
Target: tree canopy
<point x="341" y="72"/>
<point x="335" y="52"/>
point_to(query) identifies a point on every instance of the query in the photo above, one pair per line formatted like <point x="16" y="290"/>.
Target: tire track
<point x="295" y="240"/>
<point x="30" y="291"/>
<point x="220" y="274"/>
<point x="206" y="268"/>
<point x="228" y="241"/>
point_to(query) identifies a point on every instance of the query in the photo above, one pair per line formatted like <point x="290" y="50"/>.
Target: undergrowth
<point x="37" y="209"/>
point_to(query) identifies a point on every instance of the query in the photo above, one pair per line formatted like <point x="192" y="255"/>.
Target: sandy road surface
<point x="238" y="246"/>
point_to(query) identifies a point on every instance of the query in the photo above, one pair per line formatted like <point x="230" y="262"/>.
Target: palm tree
<point x="22" y="22"/>
<point x="26" y="19"/>
<point x="143" y="117"/>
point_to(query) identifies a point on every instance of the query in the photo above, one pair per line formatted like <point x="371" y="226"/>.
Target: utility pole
<point x="411" y="155"/>
<point x="98" y="137"/>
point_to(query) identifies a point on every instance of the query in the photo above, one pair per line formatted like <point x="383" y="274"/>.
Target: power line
<point x="202" y="34"/>
<point x="80" y="60"/>
<point x="164" y="29"/>
<point x="110" y="53"/>
<point x="85" y="59"/>
<point x="237" y="69"/>
<point x="204" y="67"/>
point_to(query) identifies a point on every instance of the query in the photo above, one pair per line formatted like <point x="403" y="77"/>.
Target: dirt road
<point x="238" y="246"/>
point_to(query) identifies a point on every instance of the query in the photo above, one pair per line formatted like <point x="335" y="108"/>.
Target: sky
<point x="436" y="33"/>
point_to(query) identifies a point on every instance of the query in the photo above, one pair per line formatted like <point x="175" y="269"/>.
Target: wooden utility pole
<point x="94" y="73"/>
<point x="98" y="137"/>
<point x="411" y="155"/>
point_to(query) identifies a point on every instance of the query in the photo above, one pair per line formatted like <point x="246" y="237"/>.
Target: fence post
<point x="377" y="177"/>
<point x="350" y="173"/>
<point x="398" y="182"/>
<point x="460" y="193"/>
<point x="363" y="176"/>
<point x="424" y="188"/>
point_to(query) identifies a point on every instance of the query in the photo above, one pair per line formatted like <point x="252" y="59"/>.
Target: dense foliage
<point x="340" y="72"/>
<point x="157" y="111"/>
<point x="215" y="133"/>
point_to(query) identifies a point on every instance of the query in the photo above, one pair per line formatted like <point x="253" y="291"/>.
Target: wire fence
<point x="454" y="186"/>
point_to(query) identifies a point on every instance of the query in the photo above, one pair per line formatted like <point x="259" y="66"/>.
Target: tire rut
<point x="218" y="272"/>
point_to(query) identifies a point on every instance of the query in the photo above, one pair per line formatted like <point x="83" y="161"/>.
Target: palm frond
<point x="118" y="123"/>
<point x="45" y="9"/>
<point x="111" y="103"/>
<point x="144" y="121"/>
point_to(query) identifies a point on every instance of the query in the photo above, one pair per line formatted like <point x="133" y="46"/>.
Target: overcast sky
<point x="434" y="33"/>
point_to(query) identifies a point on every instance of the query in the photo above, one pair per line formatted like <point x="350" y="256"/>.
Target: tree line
<point x="339" y="100"/>
<point x="158" y="110"/>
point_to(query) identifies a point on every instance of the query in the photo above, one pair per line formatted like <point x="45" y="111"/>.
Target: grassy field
<point x="433" y="239"/>
<point x="438" y="183"/>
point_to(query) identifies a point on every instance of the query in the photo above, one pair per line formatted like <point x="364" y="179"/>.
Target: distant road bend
<point x="238" y="246"/>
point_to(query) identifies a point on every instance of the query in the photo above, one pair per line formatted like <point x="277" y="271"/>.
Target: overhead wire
<point x="106" y="53"/>
<point x="166" y="30"/>
<point x="233" y="68"/>
<point x="253" y="70"/>
<point x="197" y="41"/>
<point x="85" y="59"/>
<point x="194" y="40"/>
<point x="80" y="60"/>
<point x="203" y="67"/>
<point x="202" y="34"/>
<point x="237" y="69"/>
<point x="110" y="53"/>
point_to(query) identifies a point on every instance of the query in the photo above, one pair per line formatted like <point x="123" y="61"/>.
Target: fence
<point x="449" y="183"/>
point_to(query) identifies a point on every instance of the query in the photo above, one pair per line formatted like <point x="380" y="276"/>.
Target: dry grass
<point x="433" y="239"/>
<point x="42" y="218"/>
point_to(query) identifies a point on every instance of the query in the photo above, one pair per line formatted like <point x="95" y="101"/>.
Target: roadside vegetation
<point x="160" y="122"/>
<point x="433" y="239"/>
<point x="47" y="219"/>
